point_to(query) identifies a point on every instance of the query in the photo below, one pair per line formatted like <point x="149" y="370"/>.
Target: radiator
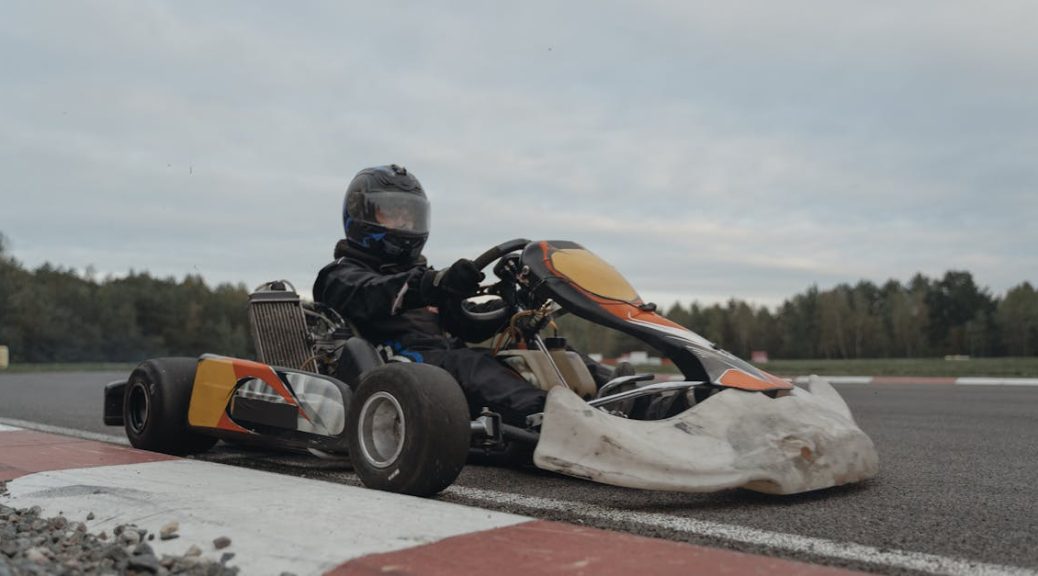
<point x="279" y="327"/>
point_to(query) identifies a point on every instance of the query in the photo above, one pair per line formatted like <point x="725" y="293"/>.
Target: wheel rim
<point x="381" y="429"/>
<point x="138" y="407"/>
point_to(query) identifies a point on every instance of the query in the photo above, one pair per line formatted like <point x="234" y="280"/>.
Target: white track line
<point x="846" y="379"/>
<point x="819" y="547"/>
<point x="81" y="434"/>
<point x="997" y="381"/>
<point x="962" y="381"/>
<point x="836" y="379"/>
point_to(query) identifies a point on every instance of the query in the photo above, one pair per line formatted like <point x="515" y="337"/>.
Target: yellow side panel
<point x="214" y="382"/>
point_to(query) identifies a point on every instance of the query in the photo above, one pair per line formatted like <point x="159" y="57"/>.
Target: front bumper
<point x="797" y="443"/>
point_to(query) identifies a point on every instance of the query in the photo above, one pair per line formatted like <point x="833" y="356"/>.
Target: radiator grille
<point x="279" y="328"/>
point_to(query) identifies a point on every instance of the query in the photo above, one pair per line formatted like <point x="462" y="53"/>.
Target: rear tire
<point x="408" y="429"/>
<point x="155" y="406"/>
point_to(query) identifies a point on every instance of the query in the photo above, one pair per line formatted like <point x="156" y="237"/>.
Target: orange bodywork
<point x="215" y="381"/>
<point x="629" y="309"/>
<point x="734" y="378"/>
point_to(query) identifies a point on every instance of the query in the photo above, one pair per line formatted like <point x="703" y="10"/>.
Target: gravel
<point x="31" y="544"/>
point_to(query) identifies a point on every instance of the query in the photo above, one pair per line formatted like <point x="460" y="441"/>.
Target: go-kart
<point x="406" y="427"/>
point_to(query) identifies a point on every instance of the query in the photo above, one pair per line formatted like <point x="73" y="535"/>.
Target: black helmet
<point x="386" y="213"/>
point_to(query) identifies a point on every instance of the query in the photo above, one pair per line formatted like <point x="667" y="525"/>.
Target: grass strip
<point x="69" y="367"/>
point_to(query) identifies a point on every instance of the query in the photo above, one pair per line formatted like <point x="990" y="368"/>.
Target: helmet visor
<point x="397" y="211"/>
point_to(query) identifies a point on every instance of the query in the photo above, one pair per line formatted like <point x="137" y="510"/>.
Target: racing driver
<point x="381" y="282"/>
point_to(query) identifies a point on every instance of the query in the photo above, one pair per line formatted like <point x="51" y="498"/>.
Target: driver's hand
<point x="461" y="279"/>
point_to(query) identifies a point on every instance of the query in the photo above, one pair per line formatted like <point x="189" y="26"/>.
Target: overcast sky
<point x="707" y="149"/>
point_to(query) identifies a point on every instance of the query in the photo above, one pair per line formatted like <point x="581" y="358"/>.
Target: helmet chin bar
<point x="396" y="247"/>
<point x="388" y="245"/>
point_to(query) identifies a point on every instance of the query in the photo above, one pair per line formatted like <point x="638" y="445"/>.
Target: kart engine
<point x="291" y="333"/>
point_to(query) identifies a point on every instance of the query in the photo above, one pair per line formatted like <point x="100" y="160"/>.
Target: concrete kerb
<point x="278" y="523"/>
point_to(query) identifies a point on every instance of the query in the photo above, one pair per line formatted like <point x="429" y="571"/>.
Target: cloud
<point x="708" y="150"/>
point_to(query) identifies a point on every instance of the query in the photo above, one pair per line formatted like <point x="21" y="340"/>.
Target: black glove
<point x="461" y="279"/>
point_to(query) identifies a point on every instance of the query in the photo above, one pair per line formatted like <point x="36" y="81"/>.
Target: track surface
<point x="958" y="475"/>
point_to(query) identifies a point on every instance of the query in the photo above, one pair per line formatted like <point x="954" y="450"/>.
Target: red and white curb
<point x="963" y="381"/>
<point x="278" y="523"/>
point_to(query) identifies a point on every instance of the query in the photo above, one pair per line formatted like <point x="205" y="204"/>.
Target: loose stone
<point x="147" y="563"/>
<point x="33" y="545"/>
<point x="130" y="538"/>
<point x="169" y="531"/>
<point x="35" y="554"/>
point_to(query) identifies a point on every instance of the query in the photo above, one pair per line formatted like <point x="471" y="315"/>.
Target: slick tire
<point x="409" y="429"/>
<point x="155" y="407"/>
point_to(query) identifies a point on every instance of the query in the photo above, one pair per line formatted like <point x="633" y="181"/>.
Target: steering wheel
<point x="462" y="319"/>
<point x="503" y="249"/>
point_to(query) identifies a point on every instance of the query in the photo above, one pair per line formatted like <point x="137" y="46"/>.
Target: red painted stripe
<point x="543" y="547"/>
<point x="25" y="452"/>
<point x="912" y="380"/>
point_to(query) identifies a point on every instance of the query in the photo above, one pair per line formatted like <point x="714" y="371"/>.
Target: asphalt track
<point x="959" y="468"/>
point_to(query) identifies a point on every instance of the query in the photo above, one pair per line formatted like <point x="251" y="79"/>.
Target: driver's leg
<point x="487" y="382"/>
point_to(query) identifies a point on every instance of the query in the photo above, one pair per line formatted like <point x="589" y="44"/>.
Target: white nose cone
<point x="801" y="442"/>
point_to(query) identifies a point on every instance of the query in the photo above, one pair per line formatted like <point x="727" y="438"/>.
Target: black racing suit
<point x="391" y="305"/>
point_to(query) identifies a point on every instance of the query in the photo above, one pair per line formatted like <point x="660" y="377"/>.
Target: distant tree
<point x="953" y="302"/>
<point x="981" y="333"/>
<point x="679" y="314"/>
<point x="743" y="323"/>
<point x="715" y="325"/>
<point x="1017" y="319"/>
<point x="769" y="339"/>
<point x="869" y="338"/>
<point x="798" y="320"/>
<point x="12" y="279"/>
<point x="834" y="319"/>
<point x="906" y="317"/>
<point x="588" y="337"/>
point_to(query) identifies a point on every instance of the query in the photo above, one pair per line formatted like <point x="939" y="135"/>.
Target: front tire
<point x="408" y="429"/>
<point x="155" y="406"/>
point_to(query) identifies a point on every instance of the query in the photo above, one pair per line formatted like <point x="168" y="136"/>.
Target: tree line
<point x="55" y="314"/>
